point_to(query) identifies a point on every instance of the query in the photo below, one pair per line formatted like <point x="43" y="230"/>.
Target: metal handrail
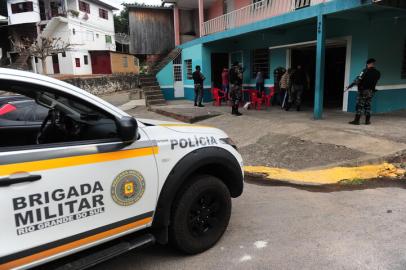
<point x="252" y="13"/>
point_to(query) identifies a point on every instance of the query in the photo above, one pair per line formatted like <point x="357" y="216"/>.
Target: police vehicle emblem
<point x="127" y="188"/>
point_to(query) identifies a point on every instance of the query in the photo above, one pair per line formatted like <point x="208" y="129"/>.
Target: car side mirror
<point x="127" y="128"/>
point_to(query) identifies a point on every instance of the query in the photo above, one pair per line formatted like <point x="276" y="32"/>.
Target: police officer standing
<point x="198" y="79"/>
<point x="236" y="77"/>
<point x="366" y="83"/>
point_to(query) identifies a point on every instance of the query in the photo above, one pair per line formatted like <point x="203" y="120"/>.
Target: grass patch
<point x="353" y="182"/>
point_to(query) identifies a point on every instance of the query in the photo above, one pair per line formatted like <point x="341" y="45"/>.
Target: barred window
<point x="103" y="14"/>
<point x="189" y="69"/>
<point x="260" y="62"/>
<point x="21" y="7"/>
<point x="85" y="7"/>
<point x="125" y="61"/>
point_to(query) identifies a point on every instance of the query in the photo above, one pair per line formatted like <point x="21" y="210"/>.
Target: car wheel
<point x="200" y="215"/>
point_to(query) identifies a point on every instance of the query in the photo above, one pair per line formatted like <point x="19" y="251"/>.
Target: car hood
<point x="183" y="127"/>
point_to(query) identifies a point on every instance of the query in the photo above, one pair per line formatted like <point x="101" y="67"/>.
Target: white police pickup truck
<point x="90" y="173"/>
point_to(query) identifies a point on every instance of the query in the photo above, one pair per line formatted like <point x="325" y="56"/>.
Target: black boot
<point x="368" y="119"/>
<point x="237" y="113"/>
<point x="201" y="105"/>
<point x="233" y="110"/>
<point x="287" y="107"/>
<point x="195" y="104"/>
<point x="298" y="108"/>
<point x="356" y="120"/>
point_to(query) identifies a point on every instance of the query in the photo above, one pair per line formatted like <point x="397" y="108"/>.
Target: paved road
<point x="287" y="228"/>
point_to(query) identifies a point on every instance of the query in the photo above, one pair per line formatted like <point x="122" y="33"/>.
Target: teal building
<point x="331" y="39"/>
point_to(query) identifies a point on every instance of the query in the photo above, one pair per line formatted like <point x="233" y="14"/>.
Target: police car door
<point x="58" y="198"/>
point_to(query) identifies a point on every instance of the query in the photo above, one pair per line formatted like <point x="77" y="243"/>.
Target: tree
<point x="43" y="47"/>
<point x="121" y="21"/>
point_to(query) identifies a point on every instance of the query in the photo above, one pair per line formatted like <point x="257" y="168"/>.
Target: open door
<point x="55" y="63"/>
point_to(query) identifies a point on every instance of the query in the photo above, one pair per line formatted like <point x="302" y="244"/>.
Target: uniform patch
<point x="127" y="188"/>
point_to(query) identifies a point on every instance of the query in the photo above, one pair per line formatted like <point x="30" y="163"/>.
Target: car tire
<point x="200" y="215"/>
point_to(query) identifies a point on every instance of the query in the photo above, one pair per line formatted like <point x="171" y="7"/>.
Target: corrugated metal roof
<point x="144" y="6"/>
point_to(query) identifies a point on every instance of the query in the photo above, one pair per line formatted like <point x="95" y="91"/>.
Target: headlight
<point x="229" y="141"/>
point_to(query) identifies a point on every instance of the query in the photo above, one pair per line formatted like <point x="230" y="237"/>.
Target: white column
<point x="201" y="16"/>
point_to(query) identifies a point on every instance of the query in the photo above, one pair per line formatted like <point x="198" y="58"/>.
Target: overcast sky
<point x="148" y="2"/>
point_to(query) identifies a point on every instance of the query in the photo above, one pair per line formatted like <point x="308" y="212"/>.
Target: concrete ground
<point x="288" y="227"/>
<point x="293" y="140"/>
<point x="277" y="227"/>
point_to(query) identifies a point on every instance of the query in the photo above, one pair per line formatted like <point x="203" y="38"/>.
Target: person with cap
<point x="198" y="79"/>
<point x="366" y="83"/>
<point x="236" y="77"/>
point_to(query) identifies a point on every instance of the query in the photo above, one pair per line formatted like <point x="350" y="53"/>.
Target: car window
<point x="67" y="119"/>
<point x="40" y="112"/>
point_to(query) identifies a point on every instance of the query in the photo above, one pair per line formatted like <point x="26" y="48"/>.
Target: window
<point x="73" y="31"/>
<point x="77" y="61"/>
<point x="260" y="62"/>
<point x="189" y="69"/>
<point x="85" y="7"/>
<point x="103" y="14"/>
<point x="97" y="35"/>
<point x="63" y="54"/>
<point x="36" y="60"/>
<point x="301" y="3"/>
<point x="26" y="106"/>
<point x="136" y="61"/>
<point x="85" y="59"/>
<point x="125" y="61"/>
<point x="108" y="39"/>
<point x="21" y="7"/>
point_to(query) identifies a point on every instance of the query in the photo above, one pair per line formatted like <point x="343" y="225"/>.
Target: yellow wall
<point x="117" y="63"/>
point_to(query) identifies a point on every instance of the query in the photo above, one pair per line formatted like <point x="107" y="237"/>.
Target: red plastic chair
<point x="218" y="95"/>
<point x="256" y="102"/>
<point x="268" y="98"/>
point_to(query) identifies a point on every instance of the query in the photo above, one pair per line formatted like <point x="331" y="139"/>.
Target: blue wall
<point x="378" y="37"/>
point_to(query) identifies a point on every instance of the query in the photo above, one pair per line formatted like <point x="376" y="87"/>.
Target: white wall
<point x="50" y="68"/>
<point x="95" y="20"/>
<point x="83" y="69"/>
<point x="90" y="38"/>
<point x="25" y="17"/>
<point x="67" y="64"/>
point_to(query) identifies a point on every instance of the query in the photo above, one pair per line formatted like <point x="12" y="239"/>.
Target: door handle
<point x="7" y="181"/>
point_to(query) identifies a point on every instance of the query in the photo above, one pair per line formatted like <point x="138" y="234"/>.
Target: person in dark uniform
<point x="366" y="83"/>
<point x="198" y="79"/>
<point x="300" y="80"/>
<point x="236" y="76"/>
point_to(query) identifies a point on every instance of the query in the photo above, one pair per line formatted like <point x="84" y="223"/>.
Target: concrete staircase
<point x="152" y="92"/>
<point x="149" y="83"/>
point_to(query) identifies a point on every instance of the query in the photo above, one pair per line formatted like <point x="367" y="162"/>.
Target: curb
<point x="184" y="118"/>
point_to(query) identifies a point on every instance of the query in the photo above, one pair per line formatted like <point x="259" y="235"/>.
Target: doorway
<point x="334" y="79"/>
<point x="55" y="63"/>
<point x="219" y="61"/>
<point x="178" y="86"/>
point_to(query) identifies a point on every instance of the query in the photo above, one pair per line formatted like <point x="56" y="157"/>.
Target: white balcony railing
<point x="254" y="12"/>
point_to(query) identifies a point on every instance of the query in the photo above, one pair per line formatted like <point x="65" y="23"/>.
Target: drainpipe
<point x="176" y="24"/>
<point x="201" y="17"/>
